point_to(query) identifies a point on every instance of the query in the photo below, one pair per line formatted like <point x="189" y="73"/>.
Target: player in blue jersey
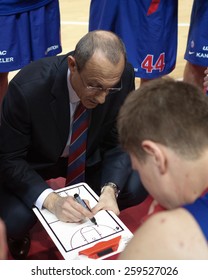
<point x="197" y="44"/>
<point x="206" y="80"/>
<point x="29" y="30"/>
<point x="139" y="25"/>
<point x="149" y="31"/>
<point x="168" y="146"/>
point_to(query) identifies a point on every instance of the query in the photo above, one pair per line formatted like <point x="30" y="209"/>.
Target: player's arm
<point x="167" y="235"/>
<point x="206" y="79"/>
<point x="3" y="241"/>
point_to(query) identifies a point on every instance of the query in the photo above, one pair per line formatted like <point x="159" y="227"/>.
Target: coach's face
<point x="96" y="80"/>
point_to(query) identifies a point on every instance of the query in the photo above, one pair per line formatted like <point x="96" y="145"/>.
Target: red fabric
<point x="154" y="207"/>
<point x="153" y="7"/>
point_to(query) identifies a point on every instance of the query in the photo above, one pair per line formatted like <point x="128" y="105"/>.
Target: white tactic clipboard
<point x="72" y="239"/>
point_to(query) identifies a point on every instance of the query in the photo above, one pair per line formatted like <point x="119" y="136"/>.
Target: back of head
<point x="168" y="112"/>
<point x="104" y="41"/>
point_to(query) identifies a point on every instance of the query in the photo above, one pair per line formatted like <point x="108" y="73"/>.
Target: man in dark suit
<point x="36" y="129"/>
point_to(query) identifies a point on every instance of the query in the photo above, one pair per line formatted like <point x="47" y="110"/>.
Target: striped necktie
<point x="77" y="148"/>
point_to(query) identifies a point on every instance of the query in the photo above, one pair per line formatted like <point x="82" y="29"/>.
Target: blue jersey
<point x="148" y="29"/>
<point x="10" y="7"/>
<point x="199" y="210"/>
<point x="197" y="44"/>
<point x="29" y="36"/>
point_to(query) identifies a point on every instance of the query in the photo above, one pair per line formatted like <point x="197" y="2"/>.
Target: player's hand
<point x="205" y="84"/>
<point x="3" y="242"/>
<point x="107" y="201"/>
<point x="66" y="209"/>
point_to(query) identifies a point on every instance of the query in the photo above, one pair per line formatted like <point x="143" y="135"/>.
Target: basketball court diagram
<point x="71" y="238"/>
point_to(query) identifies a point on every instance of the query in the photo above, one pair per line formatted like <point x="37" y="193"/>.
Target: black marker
<point x="81" y="201"/>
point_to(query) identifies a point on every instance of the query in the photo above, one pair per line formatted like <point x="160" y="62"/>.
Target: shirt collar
<point x="73" y="97"/>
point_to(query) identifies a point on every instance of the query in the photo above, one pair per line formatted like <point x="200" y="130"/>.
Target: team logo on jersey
<point x="5" y="59"/>
<point x="203" y="53"/>
<point x="52" y="48"/>
<point x="4" y="52"/>
<point x="192" y="46"/>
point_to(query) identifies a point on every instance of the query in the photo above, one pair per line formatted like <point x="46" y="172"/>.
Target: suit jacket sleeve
<point x="15" y="140"/>
<point x="34" y="126"/>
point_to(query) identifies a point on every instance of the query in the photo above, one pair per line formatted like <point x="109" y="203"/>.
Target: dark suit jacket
<point x="35" y="126"/>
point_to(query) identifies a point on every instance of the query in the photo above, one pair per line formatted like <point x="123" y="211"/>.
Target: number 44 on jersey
<point x="149" y="65"/>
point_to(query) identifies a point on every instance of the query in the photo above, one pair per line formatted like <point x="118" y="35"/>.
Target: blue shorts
<point x="197" y="44"/>
<point x="29" y="36"/>
<point x="148" y="29"/>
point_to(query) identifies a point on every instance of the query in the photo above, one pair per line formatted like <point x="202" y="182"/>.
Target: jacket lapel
<point x="60" y="103"/>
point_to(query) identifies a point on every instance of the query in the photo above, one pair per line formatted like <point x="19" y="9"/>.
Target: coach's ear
<point x="72" y="64"/>
<point x="156" y="154"/>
